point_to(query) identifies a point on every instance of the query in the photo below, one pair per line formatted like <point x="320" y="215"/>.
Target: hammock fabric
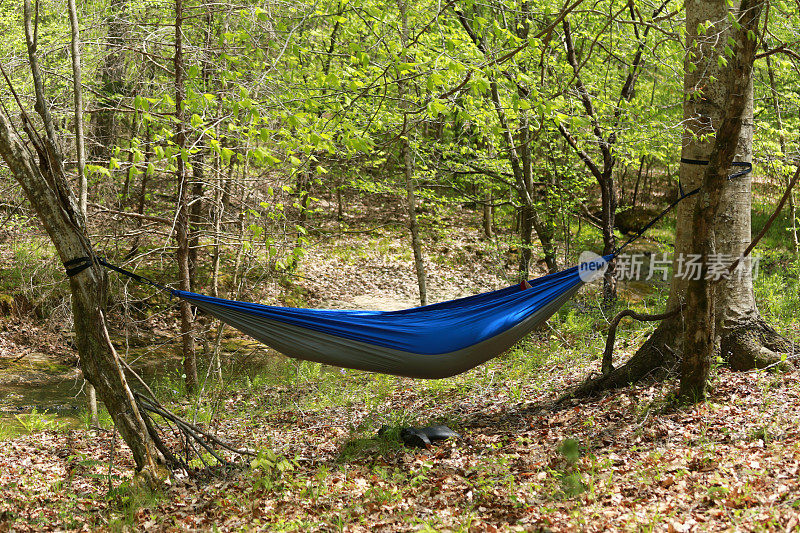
<point x="431" y="342"/>
<point x="434" y="341"/>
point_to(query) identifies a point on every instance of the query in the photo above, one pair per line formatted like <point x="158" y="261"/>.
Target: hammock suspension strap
<point x="79" y="264"/>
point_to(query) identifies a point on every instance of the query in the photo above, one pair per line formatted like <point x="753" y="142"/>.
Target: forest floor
<point x="630" y="460"/>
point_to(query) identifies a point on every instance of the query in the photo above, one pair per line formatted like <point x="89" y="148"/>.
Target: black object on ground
<point x="424" y="436"/>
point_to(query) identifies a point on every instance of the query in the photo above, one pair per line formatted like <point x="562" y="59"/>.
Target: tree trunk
<point x="411" y="203"/>
<point x="237" y="263"/>
<point x="638" y="180"/>
<point x="49" y="193"/>
<point x="530" y="217"/>
<point x="219" y="214"/>
<point x="488" y="216"/>
<point x="719" y="317"/>
<point x="721" y="217"/>
<point x="182" y="222"/>
<point x="112" y="83"/>
<point x="340" y="201"/>
<point x="609" y="206"/>
<point x="78" y="100"/>
<point x="195" y="216"/>
<point x="408" y="170"/>
<point x="526" y="243"/>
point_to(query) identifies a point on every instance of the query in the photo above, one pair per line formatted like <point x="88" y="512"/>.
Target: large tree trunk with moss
<point x="722" y="107"/>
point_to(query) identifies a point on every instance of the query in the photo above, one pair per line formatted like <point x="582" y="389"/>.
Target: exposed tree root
<point x="608" y="366"/>
<point x="754" y="345"/>
<point x="656" y="359"/>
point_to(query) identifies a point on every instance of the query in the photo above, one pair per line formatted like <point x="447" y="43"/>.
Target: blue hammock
<point x="432" y="341"/>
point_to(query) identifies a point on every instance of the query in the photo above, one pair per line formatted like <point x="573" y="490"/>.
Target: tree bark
<point x="112" y="83"/>
<point x="50" y="195"/>
<point x="704" y="325"/>
<point x="78" y="100"/>
<point x="47" y="189"/>
<point x="413" y="226"/>
<point x="408" y="171"/>
<point x="488" y="215"/>
<point x="195" y="215"/>
<point x="182" y="222"/>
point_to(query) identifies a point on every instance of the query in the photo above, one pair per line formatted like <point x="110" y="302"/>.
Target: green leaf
<point x="97" y="169"/>
<point x="480" y="85"/>
<point x="435" y="80"/>
<point x="140" y="103"/>
<point x="701" y="28"/>
<point x="436" y="107"/>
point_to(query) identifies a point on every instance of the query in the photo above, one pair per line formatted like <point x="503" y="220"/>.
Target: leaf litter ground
<point x="626" y="461"/>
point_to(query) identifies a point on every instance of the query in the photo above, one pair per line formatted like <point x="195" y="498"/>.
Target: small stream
<point x="57" y="395"/>
<point x="38" y="386"/>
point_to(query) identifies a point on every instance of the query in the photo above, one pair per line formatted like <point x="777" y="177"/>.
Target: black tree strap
<point x="746" y="169"/>
<point x="79" y="264"/>
<point x="746" y="166"/>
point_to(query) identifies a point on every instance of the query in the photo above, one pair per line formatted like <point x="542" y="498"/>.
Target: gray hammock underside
<point x="311" y="345"/>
